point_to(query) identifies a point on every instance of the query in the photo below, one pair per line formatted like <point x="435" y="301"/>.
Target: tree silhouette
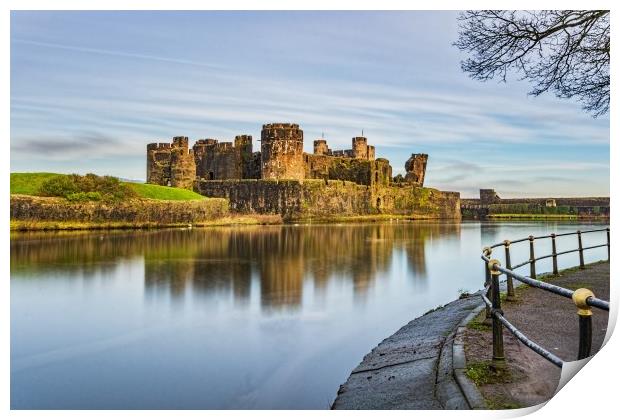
<point x="563" y="51"/>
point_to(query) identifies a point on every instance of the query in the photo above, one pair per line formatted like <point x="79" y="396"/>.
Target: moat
<point x="230" y="317"/>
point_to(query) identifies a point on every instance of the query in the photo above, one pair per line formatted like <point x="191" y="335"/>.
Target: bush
<point x="82" y="196"/>
<point x="89" y="187"/>
<point x="58" y="186"/>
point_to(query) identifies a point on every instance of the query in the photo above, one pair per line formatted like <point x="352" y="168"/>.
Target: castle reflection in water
<point x="278" y="262"/>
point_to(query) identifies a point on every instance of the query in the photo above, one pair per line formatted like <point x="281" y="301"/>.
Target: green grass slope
<point x="157" y="192"/>
<point x="28" y="183"/>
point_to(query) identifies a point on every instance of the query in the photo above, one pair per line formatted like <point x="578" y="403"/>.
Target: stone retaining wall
<point x="26" y="208"/>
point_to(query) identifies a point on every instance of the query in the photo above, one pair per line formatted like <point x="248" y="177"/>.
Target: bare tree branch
<point x="563" y="51"/>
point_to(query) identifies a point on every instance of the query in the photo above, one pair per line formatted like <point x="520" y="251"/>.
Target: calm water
<point x="239" y="317"/>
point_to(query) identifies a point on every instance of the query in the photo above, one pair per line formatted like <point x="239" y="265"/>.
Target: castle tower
<point x="182" y="164"/>
<point x="158" y="163"/>
<point x="181" y="142"/>
<point x="416" y="169"/>
<point x="371" y="152"/>
<point x="244" y="142"/>
<point x="359" y="147"/>
<point x="243" y="148"/>
<point x="320" y="147"/>
<point x="489" y="196"/>
<point x="282" y="151"/>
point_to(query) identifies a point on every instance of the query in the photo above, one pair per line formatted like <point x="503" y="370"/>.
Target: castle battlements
<point x="158" y="146"/>
<point x="205" y="142"/>
<point x="281" y="157"/>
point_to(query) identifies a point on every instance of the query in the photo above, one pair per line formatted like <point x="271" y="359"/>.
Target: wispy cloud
<point x="114" y="53"/>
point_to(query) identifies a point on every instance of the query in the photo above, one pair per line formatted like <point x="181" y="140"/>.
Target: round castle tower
<point x="282" y="151"/>
<point x="182" y="164"/>
<point x="359" y="146"/>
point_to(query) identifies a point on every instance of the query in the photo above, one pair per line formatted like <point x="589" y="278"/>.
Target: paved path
<point x="552" y="320"/>
<point x="412" y="369"/>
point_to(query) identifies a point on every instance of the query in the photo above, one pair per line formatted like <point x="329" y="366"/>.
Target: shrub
<point x="58" y="186"/>
<point x="82" y="196"/>
<point x="89" y="187"/>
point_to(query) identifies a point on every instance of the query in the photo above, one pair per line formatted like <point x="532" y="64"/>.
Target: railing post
<point x="487" y="278"/>
<point x="510" y="291"/>
<point x="581" y="264"/>
<point x="608" y="254"/>
<point x="554" y="254"/>
<point x="580" y="297"/>
<point x="498" y="338"/>
<point x="532" y="258"/>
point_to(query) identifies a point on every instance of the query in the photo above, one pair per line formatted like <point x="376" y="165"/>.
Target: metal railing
<point x="583" y="298"/>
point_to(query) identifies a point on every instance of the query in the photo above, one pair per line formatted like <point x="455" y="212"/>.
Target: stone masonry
<point x="281" y="156"/>
<point x="171" y="164"/>
<point x="281" y="178"/>
<point x="282" y="147"/>
<point x="416" y="169"/>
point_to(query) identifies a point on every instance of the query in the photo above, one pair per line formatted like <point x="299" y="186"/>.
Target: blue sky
<point x="90" y="89"/>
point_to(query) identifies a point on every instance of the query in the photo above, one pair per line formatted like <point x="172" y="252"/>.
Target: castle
<point x="281" y="156"/>
<point x="246" y="177"/>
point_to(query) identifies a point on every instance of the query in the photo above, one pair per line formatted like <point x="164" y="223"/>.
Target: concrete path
<point x="549" y="320"/>
<point x="412" y="369"/>
<point x="552" y="321"/>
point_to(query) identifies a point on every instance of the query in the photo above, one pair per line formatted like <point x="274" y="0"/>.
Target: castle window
<point x="210" y="175"/>
<point x="376" y="177"/>
<point x="378" y="202"/>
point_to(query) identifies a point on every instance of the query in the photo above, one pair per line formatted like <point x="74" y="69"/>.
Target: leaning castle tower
<point x="282" y="151"/>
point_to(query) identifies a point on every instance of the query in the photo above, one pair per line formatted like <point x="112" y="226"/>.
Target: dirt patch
<point x="528" y="379"/>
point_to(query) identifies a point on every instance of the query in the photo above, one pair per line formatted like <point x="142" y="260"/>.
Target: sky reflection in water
<point x="231" y="317"/>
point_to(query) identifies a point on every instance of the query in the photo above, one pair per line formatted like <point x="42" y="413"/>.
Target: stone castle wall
<point x="224" y="160"/>
<point x="290" y="198"/>
<point x="561" y="201"/>
<point x="313" y="198"/>
<point x="364" y="172"/>
<point x="490" y="197"/>
<point x="490" y="203"/>
<point x="421" y="202"/>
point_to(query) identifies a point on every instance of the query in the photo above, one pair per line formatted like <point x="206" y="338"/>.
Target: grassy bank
<point x="158" y="192"/>
<point x="29" y="183"/>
